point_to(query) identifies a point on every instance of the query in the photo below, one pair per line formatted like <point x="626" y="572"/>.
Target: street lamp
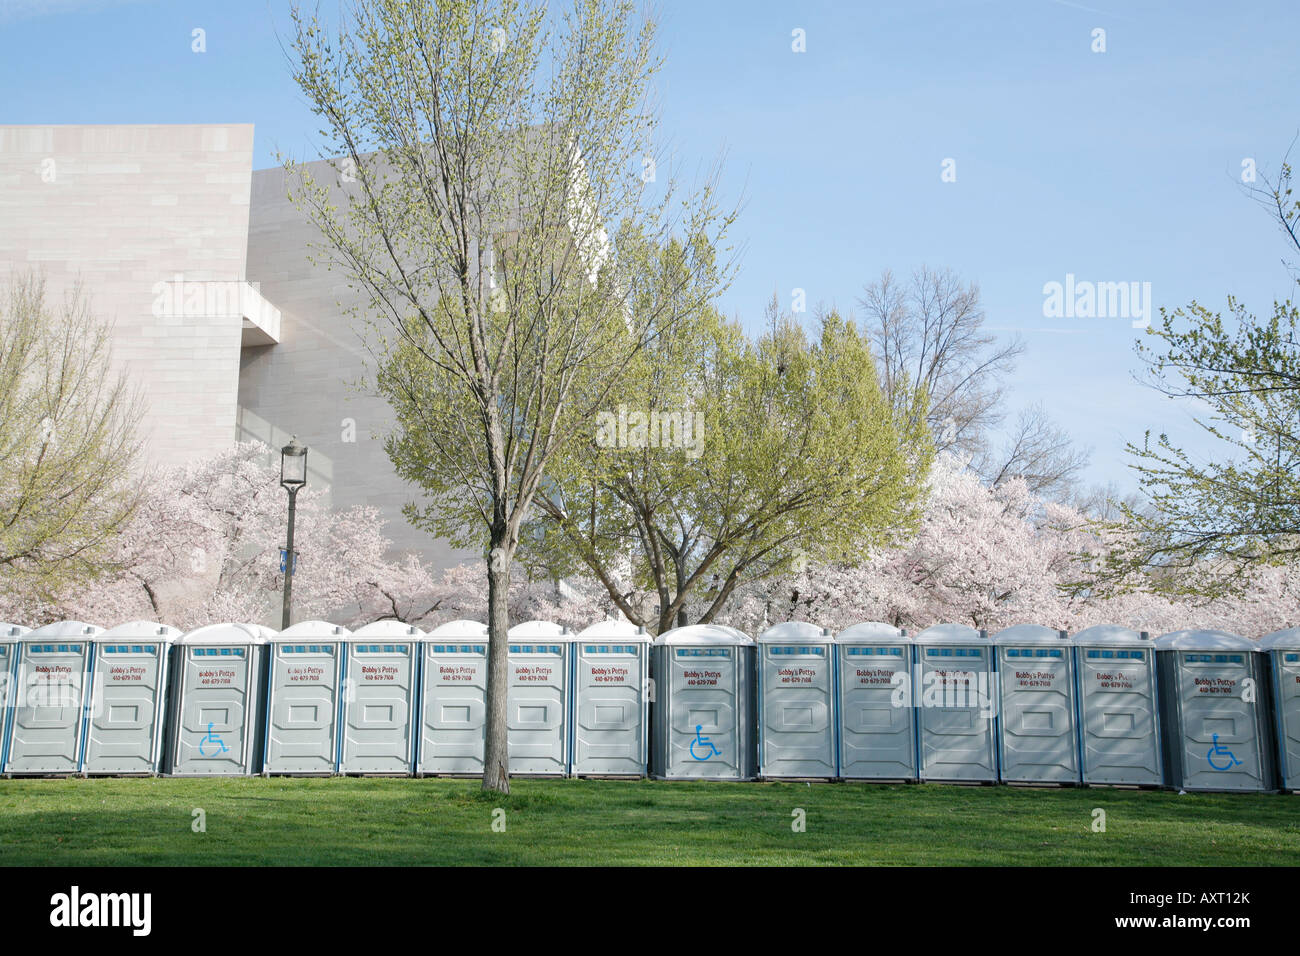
<point x="293" y="475"/>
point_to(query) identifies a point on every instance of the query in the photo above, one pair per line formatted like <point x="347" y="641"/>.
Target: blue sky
<point x="1115" y="166"/>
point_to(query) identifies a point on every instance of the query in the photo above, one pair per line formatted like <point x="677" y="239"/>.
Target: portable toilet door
<point x="379" y="693"/>
<point x="52" y="691"/>
<point x="1118" y="712"/>
<point x="1037" y="741"/>
<point x="1281" y="653"/>
<point x="957" y="718"/>
<point x="796" y="702"/>
<point x="703" y="713"/>
<point x="453" y="699"/>
<point x="611" y="700"/>
<point x="9" y="637"/>
<point x="128" y="696"/>
<point x="1216" y="729"/>
<point x="876" y="710"/>
<point x="537" y="709"/>
<point x="302" y="699"/>
<point x="217" y="685"/>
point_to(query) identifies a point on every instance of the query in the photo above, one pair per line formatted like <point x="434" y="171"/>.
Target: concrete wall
<point x="130" y="210"/>
<point x="310" y="384"/>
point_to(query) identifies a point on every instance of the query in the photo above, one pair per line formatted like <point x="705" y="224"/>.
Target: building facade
<point x="219" y="316"/>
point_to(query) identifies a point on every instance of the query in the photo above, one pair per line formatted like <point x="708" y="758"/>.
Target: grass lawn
<point x="434" y="821"/>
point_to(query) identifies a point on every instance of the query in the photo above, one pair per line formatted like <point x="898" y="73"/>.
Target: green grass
<point x="325" y="822"/>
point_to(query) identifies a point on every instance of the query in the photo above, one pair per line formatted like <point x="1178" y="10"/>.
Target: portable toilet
<point x="1214" y="712"/>
<point x="796" y="701"/>
<point x="50" y="706"/>
<point x="9" y="636"/>
<point x="1037" y="739"/>
<point x="611" y="700"/>
<point x="1118" y="712"/>
<point x="703" y="723"/>
<point x="1281" y="654"/>
<point x="218" y="683"/>
<point x="128" y="697"/>
<point x="877" y="713"/>
<point x="453" y="699"/>
<point x="957" y="717"/>
<point x="379" y="694"/>
<point x="302" y="699"/>
<point x="537" y="713"/>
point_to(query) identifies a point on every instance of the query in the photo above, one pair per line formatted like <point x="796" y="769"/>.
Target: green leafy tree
<point x="492" y="207"/>
<point x="731" y="461"/>
<point x="1204" y="526"/>
<point x="68" y="446"/>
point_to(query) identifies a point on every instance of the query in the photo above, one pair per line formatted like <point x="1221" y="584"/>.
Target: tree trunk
<point x="496" y="759"/>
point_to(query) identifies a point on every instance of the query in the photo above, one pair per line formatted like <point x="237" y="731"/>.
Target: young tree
<point x="67" y="442"/>
<point x="788" y="454"/>
<point x="1207" y="526"/>
<point x="496" y="220"/>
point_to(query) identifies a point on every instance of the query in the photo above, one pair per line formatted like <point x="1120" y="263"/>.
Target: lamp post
<point x="293" y="475"/>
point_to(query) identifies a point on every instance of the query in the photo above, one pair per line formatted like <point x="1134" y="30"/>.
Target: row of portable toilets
<point x="1195" y="710"/>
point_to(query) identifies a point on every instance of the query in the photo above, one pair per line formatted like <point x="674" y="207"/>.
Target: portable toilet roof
<point x="152" y="629"/>
<point x="704" y="634"/>
<point x="532" y="630"/>
<point x="1194" y="640"/>
<point x="13" y="630"/>
<point x="1286" y="639"/>
<point x="788" y="631"/>
<point x="950" y="634"/>
<point x="311" y="629"/>
<point x="471" y="630"/>
<point x="388" y="628"/>
<point x="228" y="633"/>
<point x="873" y="632"/>
<point x="614" y="630"/>
<point x="65" y="629"/>
<point x="1029" y="634"/>
<point x="1109" y="634"/>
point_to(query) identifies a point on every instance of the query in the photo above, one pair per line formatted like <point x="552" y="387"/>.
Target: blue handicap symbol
<point x="1220" y="751"/>
<point x="702" y="743"/>
<point x="211" y="738"/>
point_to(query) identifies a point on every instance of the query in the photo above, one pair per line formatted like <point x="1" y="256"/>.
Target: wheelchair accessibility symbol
<point x="1221" y="752"/>
<point x="211" y="738"/>
<point x="705" y="748"/>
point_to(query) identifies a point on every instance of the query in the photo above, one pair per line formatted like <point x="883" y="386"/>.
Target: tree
<point x="929" y="340"/>
<point x="1207" y="526"/>
<point x="204" y="544"/>
<point x="496" y="220"/>
<point x="68" y="444"/>
<point x="789" y="453"/>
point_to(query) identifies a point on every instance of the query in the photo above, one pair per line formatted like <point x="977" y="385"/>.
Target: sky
<point x="990" y="137"/>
